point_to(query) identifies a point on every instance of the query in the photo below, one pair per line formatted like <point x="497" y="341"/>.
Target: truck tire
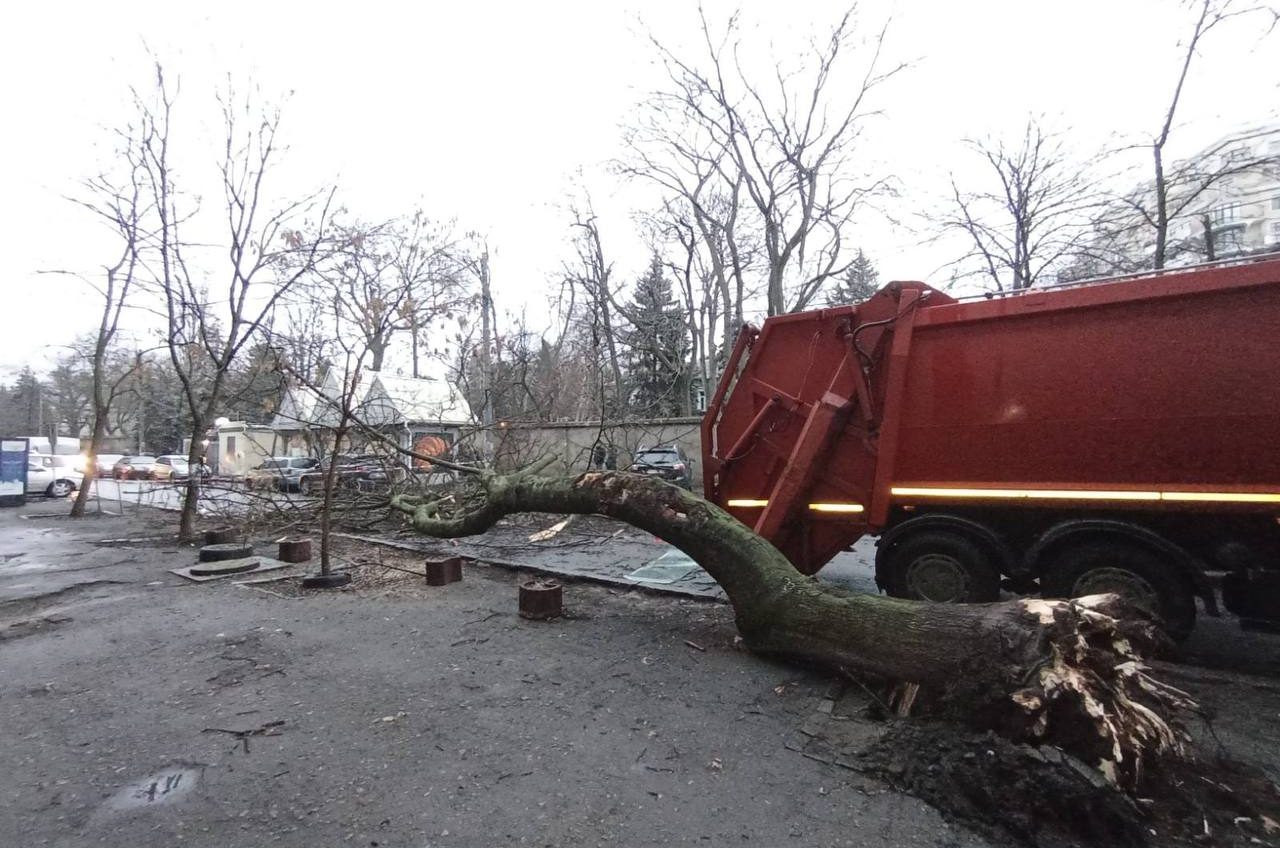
<point x="942" y="567"/>
<point x="1129" y="570"/>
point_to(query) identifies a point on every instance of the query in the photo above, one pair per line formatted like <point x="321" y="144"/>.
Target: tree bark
<point x="91" y="461"/>
<point x="378" y="349"/>
<point x="1058" y="672"/>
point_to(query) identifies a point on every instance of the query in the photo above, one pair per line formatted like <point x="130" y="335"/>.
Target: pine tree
<point x="24" y="406"/>
<point x="657" y="348"/>
<point x="859" y="283"/>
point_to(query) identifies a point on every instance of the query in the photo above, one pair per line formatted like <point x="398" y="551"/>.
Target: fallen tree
<point x="1066" y="673"/>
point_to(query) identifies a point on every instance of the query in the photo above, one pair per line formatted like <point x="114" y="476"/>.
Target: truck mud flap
<point x="1255" y="598"/>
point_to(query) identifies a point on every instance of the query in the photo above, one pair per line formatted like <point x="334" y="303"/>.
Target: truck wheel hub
<point x="1128" y="585"/>
<point x="938" y="578"/>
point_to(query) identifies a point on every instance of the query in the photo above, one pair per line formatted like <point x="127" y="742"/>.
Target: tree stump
<point x="541" y="599"/>
<point x="221" y="536"/>
<point x="294" y="550"/>
<point x="441" y="572"/>
<point x="223" y="551"/>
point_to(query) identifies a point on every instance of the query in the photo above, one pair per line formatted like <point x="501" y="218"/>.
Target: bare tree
<point x="266" y="251"/>
<point x="121" y="204"/>
<point x="1176" y="188"/>
<point x="783" y="148"/>
<point x="701" y="214"/>
<point x="1033" y="215"/>
<point x="473" y="260"/>
<point x="398" y="277"/>
<point x="591" y="275"/>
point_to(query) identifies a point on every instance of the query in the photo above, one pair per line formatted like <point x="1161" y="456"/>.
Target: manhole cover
<point x="226" y="566"/>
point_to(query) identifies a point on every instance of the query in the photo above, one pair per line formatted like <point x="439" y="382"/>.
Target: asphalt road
<point x="139" y="709"/>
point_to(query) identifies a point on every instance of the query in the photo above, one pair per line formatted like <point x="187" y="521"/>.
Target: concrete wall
<point x="518" y="444"/>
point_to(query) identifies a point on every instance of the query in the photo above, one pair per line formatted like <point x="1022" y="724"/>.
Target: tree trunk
<point x="330" y="482"/>
<point x="1162" y="209"/>
<point x="486" y="359"/>
<point x="191" y="492"/>
<point x="413" y="339"/>
<point x="100" y="414"/>
<point x="378" y="350"/>
<point x="1062" y="672"/>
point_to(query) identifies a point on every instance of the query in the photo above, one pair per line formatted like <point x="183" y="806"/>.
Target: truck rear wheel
<point x="1128" y="570"/>
<point x="942" y="567"/>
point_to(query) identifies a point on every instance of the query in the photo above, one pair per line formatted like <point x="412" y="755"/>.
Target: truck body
<point x="1119" y="435"/>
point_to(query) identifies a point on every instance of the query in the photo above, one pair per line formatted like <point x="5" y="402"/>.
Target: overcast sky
<point x="485" y="112"/>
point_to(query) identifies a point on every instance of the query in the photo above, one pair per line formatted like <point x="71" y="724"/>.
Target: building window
<point x="1223" y="214"/>
<point x="1275" y="231"/>
<point x="1275" y="203"/>
<point x="1235" y="156"/>
<point x="1226" y="241"/>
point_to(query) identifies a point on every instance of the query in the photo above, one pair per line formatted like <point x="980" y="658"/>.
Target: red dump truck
<point x="1118" y="435"/>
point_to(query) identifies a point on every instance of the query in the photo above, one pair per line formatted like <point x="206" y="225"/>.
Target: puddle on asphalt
<point x="164" y="787"/>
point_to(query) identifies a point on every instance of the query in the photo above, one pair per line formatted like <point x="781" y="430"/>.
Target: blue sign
<point x="13" y="471"/>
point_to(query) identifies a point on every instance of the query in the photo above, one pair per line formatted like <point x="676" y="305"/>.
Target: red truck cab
<point x="1118" y="435"/>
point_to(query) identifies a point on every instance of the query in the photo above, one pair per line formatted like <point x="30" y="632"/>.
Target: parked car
<point x="57" y="480"/>
<point x="280" y="472"/>
<point x="107" y="461"/>
<point x="666" y="461"/>
<point x="174" y="467"/>
<point x="134" y="468"/>
<point x="354" y="472"/>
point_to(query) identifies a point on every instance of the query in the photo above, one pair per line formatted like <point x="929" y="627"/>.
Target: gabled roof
<point x="381" y="399"/>
<point x="395" y="400"/>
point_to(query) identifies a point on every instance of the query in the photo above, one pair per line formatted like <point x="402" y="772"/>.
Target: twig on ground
<point x="271" y="728"/>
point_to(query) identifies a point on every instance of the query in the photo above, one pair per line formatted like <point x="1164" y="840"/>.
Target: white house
<point x="423" y="412"/>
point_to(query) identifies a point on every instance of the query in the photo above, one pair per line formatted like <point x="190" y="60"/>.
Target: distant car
<point x="665" y="461"/>
<point x="280" y="472"/>
<point x="57" y="480"/>
<point x="71" y="462"/>
<point x="175" y="467"/>
<point x="106" y="461"/>
<point x="354" y="472"/>
<point x="134" y="468"/>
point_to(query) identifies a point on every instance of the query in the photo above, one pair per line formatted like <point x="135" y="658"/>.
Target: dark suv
<point x="666" y="461"/>
<point x="363" y="473"/>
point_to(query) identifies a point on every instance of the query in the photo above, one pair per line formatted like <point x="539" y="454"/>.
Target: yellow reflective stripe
<point x="751" y="503"/>
<point x="836" y="507"/>
<point x="1048" y="494"/>
<point x="1222" y="497"/>
<point x="1085" y="494"/>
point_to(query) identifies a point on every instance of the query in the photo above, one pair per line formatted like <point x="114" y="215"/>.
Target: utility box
<point x="13" y="472"/>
